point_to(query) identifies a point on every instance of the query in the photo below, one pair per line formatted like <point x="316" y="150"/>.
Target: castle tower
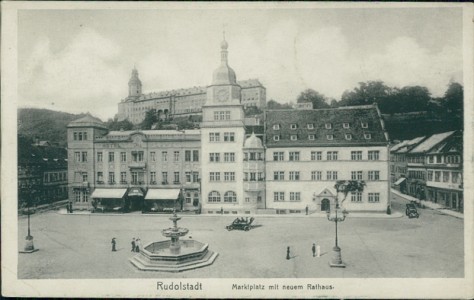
<point x="222" y="140"/>
<point x="134" y="84"/>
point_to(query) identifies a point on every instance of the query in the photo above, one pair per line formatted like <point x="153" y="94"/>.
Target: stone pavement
<point x="429" y="204"/>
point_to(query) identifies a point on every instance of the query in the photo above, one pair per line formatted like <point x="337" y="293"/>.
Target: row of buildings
<point x="430" y="168"/>
<point x="226" y="166"/>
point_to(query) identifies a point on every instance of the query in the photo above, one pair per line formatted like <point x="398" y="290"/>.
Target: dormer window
<point x="364" y="125"/>
<point x="311" y="137"/>
<point x="276" y="138"/>
<point x="329" y="137"/>
<point x="348" y="136"/>
<point x="346" y="125"/>
<point x="367" y="136"/>
<point x="276" y="127"/>
<point x="293" y="137"/>
<point x="293" y="126"/>
<point x="310" y="126"/>
<point x="328" y="125"/>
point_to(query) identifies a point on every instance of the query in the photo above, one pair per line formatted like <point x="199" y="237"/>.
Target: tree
<point x="272" y="104"/>
<point x="348" y="186"/>
<point x="310" y="95"/>
<point x="252" y="111"/>
<point x="150" y="119"/>
<point x="334" y="103"/>
<point x="412" y="98"/>
<point x="366" y="93"/>
<point x="115" y="124"/>
<point x="453" y="97"/>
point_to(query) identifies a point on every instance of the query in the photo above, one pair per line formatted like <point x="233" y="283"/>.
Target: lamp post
<point x="29" y="246"/>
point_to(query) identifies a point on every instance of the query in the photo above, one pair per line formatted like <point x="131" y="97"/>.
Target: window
<point x="331" y="175"/>
<point x="111" y="156"/>
<point x="455" y="177"/>
<point x="77" y="156"/>
<point x="84" y="177"/>
<point x="137" y="156"/>
<point x="278" y="175"/>
<point x="152" y="156"/>
<point x="111" y="177"/>
<point x="374" y="197"/>
<point x="229" y="136"/>
<point x="276" y="138"/>
<point x="348" y="136"/>
<point x="431" y="159"/>
<point x="294" y="156"/>
<point x="295" y="196"/>
<point x="164" y="156"/>
<point x="195" y="155"/>
<point x="123" y="156"/>
<point x="311" y="137"/>
<point x="374" y="155"/>
<point x="214" y="196"/>
<point x="293" y="126"/>
<point x="187" y="155"/>
<point x="84" y="156"/>
<point x="346" y="125"/>
<point x="316" y="175"/>
<point x="123" y="177"/>
<point x="356" y="197"/>
<point x="176" y="177"/>
<point x="328" y="125"/>
<point x="437" y="176"/>
<point x="229" y="157"/>
<point x="294" y="175"/>
<point x="445" y="176"/>
<point x="374" y="175"/>
<point x="278" y="156"/>
<point x="329" y="137"/>
<point x="331" y="155"/>
<point x="214" y="137"/>
<point x="364" y="125"/>
<point x="430" y="175"/>
<point x="276" y="127"/>
<point x="230" y="196"/>
<point x="247" y="199"/>
<point x="316" y="155"/>
<point x="75" y="136"/>
<point x="293" y="137"/>
<point x="99" y="157"/>
<point x="188" y="176"/>
<point x="214" y="176"/>
<point x="356" y="175"/>
<point x="214" y="157"/>
<point x="222" y="115"/>
<point x="278" y="196"/>
<point x="195" y="176"/>
<point x="100" y="177"/>
<point x="367" y="136"/>
<point x="164" y="175"/>
<point x="176" y="156"/>
<point x="188" y="198"/>
<point x="310" y="126"/>
<point x="356" y="155"/>
<point x="229" y="176"/>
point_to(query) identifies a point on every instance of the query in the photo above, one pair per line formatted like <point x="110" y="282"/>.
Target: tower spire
<point x="224" y="46"/>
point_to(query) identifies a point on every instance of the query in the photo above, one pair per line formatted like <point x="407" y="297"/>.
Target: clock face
<point x="222" y="95"/>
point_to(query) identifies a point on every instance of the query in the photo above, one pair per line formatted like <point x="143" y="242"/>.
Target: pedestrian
<point x="133" y="245"/>
<point x="288" y="252"/>
<point x="314" y="249"/>
<point x="137" y="245"/>
<point x="222" y="211"/>
<point x="113" y="244"/>
<point x="307" y="209"/>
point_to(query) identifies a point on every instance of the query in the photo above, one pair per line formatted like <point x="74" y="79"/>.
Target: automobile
<point x="411" y="210"/>
<point x="241" y="224"/>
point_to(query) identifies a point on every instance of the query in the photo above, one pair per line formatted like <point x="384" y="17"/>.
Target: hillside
<point x="45" y="124"/>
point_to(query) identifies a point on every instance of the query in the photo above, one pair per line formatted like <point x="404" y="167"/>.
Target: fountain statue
<point x="174" y="255"/>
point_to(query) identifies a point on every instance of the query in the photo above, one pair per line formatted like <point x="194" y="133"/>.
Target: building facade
<point x="180" y="102"/>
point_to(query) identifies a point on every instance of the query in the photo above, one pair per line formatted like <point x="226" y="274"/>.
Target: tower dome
<point x="224" y="74"/>
<point x="253" y="142"/>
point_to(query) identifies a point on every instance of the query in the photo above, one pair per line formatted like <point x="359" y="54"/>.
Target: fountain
<point x="173" y="255"/>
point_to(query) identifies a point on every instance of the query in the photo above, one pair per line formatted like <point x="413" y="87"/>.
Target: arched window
<point x="214" y="196"/>
<point x="230" y="196"/>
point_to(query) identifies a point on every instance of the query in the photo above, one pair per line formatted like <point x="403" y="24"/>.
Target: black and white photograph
<point x="237" y="150"/>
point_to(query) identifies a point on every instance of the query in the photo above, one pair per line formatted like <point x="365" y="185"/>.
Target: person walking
<point x="113" y="244"/>
<point x="133" y="245"/>
<point x="288" y="252"/>
<point x="314" y="249"/>
<point x="137" y="245"/>
<point x="307" y="209"/>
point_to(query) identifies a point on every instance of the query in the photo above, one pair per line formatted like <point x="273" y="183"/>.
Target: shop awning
<point x="400" y="180"/>
<point x="109" y="193"/>
<point x="135" y="192"/>
<point x="162" y="194"/>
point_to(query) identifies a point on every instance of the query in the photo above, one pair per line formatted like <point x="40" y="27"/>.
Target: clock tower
<point x="222" y="139"/>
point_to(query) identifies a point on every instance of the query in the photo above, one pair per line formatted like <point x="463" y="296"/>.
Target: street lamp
<point x="339" y="215"/>
<point x="29" y="246"/>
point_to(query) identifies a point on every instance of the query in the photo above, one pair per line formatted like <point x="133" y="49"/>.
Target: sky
<point x="80" y="60"/>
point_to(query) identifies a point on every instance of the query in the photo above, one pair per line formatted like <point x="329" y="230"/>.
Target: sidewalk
<point x="430" y="204"/>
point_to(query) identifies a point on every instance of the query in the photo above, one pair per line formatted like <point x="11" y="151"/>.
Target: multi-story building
<point x="179" y="102"/>
<point x="398" y="162"/>
<point x="307" y="151"/>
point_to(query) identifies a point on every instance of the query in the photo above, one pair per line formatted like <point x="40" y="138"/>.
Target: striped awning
<point x="162" y="194"/>
<point x="109" y="193"/>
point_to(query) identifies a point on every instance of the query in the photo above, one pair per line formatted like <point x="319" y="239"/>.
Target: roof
<point x="162" y="194"/>
<point x="452" y="144"/>
<point x="244" y="84"/>
<point x="125" y="134"/>
<point x="430" y="142"/>
<point x="253" y="142"/>
<point x="355" y="116"/>
<point x="406" y="145"/>
<point x="50" y="158"/>
<point x="87" y="121"/>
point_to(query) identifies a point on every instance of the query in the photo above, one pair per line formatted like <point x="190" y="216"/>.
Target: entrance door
<point x="325" y="205"/>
